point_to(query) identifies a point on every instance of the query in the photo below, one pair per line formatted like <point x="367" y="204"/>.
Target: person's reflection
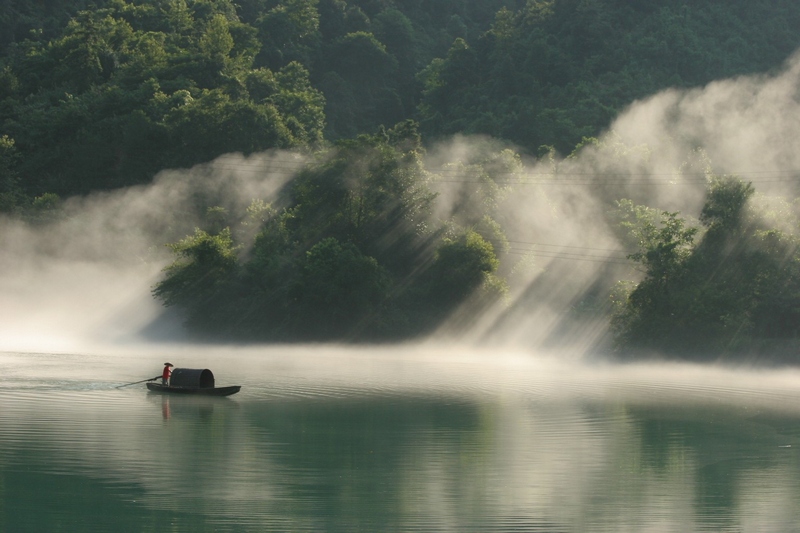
<point x="165" y="412"/>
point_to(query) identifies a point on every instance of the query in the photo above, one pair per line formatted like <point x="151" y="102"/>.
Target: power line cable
<point x="574" y="257"/>
<point x="573" y="247"/>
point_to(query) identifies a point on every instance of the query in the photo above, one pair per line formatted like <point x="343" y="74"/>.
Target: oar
<point x="135" y="382"/>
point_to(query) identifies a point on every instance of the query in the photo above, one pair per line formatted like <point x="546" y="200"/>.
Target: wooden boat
<point x="193" y="381"/>
<point x="207" y="391"/>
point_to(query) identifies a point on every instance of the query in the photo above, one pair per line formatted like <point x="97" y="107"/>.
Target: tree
<point x="339" y="290"/>
<point x="129" y="89"/>
<point x="461" y="265"/>
<point x="735" y="292"/>
<point x="647" y="318"/>
<point x="10" y="191"/>
<point x="199" y="280"/>
<point x="289" y="32"/>
<point x="724" y="208"/>
<point x="372" y="192"/>
<point x="360" y="70"/>
<point x="213" y="123"/>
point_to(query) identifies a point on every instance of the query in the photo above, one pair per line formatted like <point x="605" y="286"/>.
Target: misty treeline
<point x="349" y="250"/>
<point x="356" y="247"/>
<point x="103" y="95"/>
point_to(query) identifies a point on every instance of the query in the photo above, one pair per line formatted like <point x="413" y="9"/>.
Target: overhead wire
<point x="575" y="257"/>
<point x="577" y="253"/>
<point x="613" y="250"/>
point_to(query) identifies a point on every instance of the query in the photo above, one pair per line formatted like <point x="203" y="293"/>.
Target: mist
<point x="660" y="152"/>
<point x="83" y="279"/>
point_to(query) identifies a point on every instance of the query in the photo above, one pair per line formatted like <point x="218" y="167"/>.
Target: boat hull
<point x="204" y="391"/>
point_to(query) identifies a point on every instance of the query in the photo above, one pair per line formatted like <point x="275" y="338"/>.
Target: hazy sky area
<point x="85" y="281"/>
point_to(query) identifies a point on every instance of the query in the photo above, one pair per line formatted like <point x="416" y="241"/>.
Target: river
<point x="337" y="439"/>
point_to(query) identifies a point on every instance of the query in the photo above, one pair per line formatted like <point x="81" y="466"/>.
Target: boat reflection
<point x="190" y="407"/>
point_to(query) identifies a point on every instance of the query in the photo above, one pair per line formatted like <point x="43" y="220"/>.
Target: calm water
<point x="403" y="440"/>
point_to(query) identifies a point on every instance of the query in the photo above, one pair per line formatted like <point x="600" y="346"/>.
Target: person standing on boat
<point x="166" y="374"/>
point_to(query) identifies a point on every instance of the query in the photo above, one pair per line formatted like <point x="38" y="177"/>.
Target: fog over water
<point x="83" y="281"/>
<point x="512" y="422"/>
<point x="334" y="438"/>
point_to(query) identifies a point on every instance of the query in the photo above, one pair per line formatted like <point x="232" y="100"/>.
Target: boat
<point x="193" y="381"/>
<point x="212" y="391"/>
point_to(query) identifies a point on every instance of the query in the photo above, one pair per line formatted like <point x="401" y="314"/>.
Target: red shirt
<point x="167" y="372"/>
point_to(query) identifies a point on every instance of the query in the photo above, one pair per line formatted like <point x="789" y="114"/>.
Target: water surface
<point x="334" y="439"/>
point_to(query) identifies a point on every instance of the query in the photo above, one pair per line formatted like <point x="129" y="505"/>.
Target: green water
<point x="334" y="440"/>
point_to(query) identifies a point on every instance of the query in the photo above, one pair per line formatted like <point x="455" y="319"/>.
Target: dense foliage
<point x="735" y="290"/>
<point x="553" y="71"/>
<point x="129" y="89"/>
<point x="103" y="95"/>
<point x="340" y="259"/>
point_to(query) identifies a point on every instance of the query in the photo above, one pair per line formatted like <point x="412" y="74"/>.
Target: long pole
<point x="135" y="382"/>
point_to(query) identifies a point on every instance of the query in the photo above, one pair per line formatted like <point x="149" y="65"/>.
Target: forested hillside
<point x="106" y="97"/>
<point x="554" y="71"/>
<point x="369" y="241"/>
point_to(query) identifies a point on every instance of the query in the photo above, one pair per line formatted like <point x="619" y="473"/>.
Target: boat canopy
<point x="198" y="378"/>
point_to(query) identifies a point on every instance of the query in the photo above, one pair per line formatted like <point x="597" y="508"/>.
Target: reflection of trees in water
<point x="394" y="462"/>
<point x="722" y="450"/>
<point x="45" y="501"/>
<point x="356" y="456"/>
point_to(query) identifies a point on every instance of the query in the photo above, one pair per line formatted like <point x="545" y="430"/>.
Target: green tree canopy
<point x="732" y="293"/>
